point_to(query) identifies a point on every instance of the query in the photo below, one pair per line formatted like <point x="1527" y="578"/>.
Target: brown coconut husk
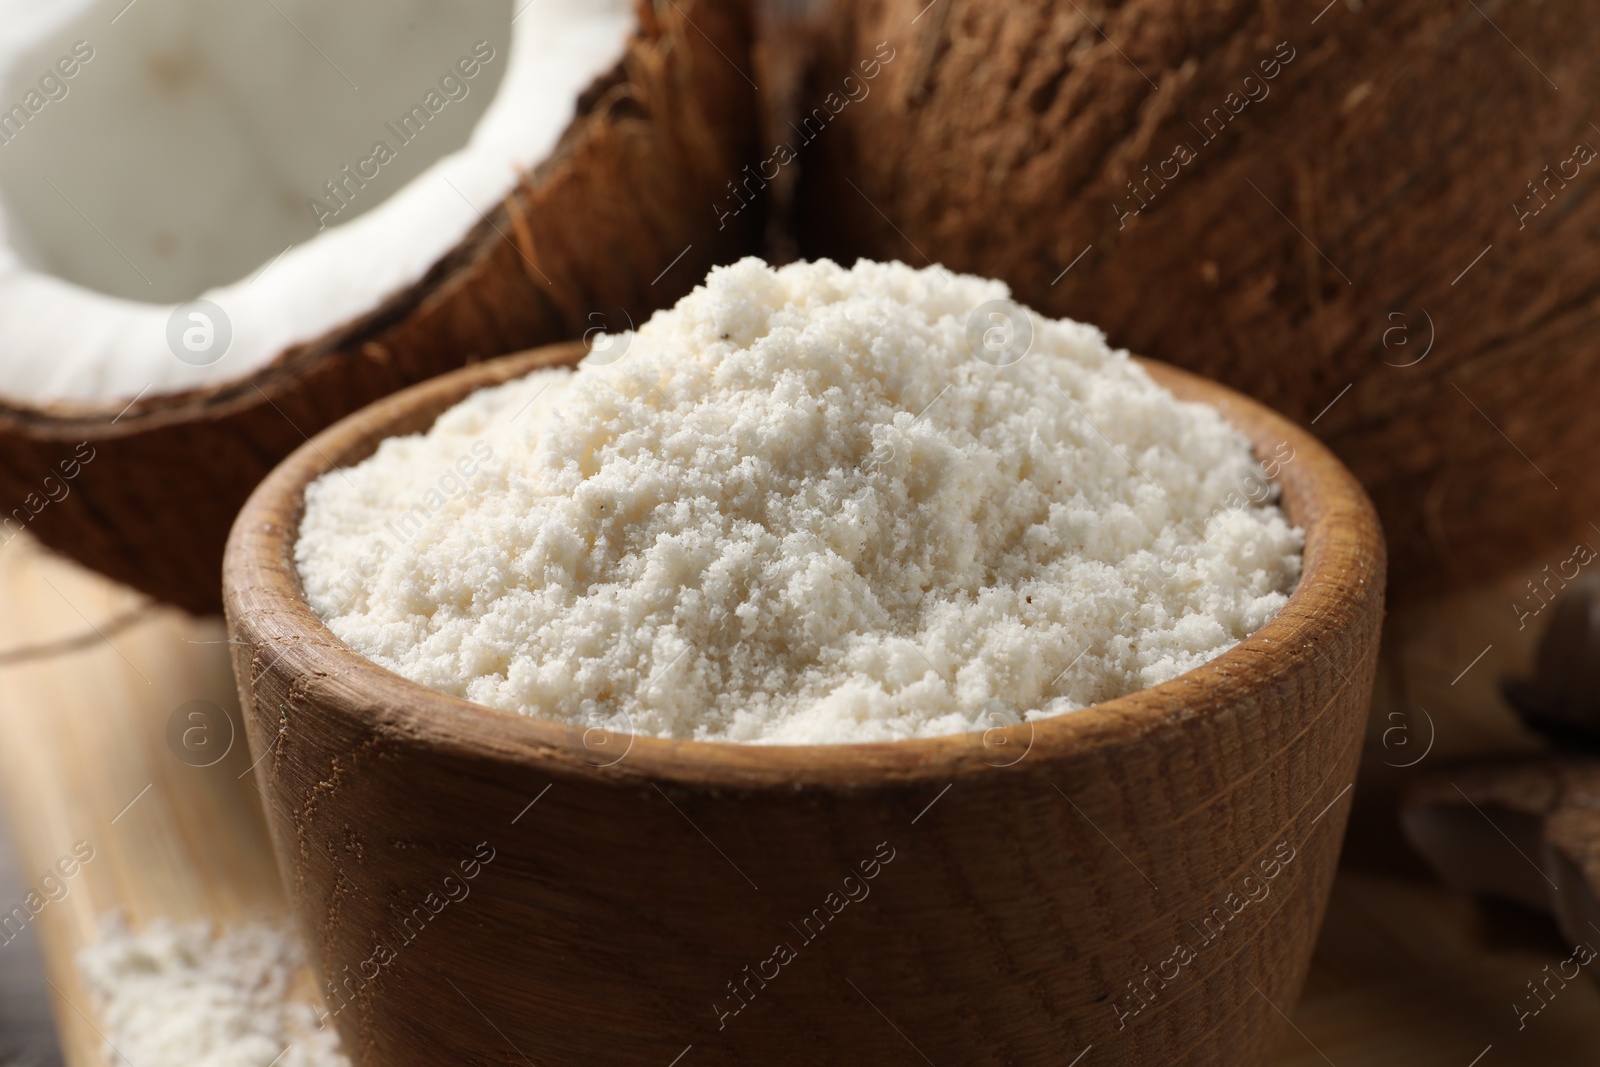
<point x="630" y="187"/>
<point x="1520" y="829"/>
<point x="1384" y="160"/>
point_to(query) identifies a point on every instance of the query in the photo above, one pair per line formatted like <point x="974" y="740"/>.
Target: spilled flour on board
<point x="191" y="995"/>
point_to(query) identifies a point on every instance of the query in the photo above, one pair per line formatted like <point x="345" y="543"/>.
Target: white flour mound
<point x="187" y="996"/>
<point x="799" y="509"/>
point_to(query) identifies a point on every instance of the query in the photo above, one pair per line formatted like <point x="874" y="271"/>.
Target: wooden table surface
<point x="91" y="679"/>
<point x="27" y="1027"/>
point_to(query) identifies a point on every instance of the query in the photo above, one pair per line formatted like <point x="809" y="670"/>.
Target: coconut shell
<point x="1371" y="204"/>
<point x="620" y="215"/>
<point x="1562" y="699"/>
<point x="1523" y="829"/>
<point x="1572" y="838"/>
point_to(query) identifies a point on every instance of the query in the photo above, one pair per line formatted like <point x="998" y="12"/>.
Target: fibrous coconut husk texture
<point x="620" y="216"/>
<point x="1354" y="240"/>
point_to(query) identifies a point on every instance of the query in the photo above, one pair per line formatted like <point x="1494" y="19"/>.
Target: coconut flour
<point x="190" y="996"/>
<point x="807" y="505"/>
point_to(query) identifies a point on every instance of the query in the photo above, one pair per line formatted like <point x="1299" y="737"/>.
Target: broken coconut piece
<point x="1467" y="820"/>
<point x="1470" y="824"/>
<point x="1572" y="856"/>
<point x="131" y="431"/>
<point x="1228" y="193"/>
<point x="1521" y="829"/>
<point x="1562" y="700"/>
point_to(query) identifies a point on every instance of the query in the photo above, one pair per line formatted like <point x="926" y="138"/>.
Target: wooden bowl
<point x="1145" y="877"/>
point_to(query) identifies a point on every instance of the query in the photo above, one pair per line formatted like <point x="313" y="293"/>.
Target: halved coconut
<point x="1318" y="204"/>
<point x="383" y="190"/>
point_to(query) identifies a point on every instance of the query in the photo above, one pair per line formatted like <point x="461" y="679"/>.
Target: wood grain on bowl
<point x="1145" y="877"/>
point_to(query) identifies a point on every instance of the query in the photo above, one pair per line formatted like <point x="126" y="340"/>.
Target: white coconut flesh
<point x="186" y="158"/>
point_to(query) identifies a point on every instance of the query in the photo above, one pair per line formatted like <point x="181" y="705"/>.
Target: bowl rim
<point x="1342" y="571"/>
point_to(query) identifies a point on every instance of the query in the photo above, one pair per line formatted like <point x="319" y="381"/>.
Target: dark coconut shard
<point x="1527" y="829"/>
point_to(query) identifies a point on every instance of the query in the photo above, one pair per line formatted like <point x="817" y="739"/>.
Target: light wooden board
<point x="27" y="1026"/>
<point x="1405" y="974"/>
<point x="84" y="757"/>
